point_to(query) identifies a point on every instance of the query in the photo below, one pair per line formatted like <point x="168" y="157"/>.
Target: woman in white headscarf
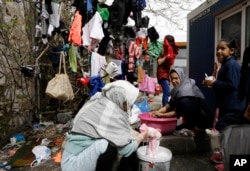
<point x="188" y="101"/>
<point x="101" y="129"/>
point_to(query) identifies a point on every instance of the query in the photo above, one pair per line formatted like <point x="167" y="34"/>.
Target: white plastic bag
<point x="41" y="152"/>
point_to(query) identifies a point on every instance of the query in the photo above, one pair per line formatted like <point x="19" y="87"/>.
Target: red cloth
<point x="75" y="30"/>
<point x="170" y="53"/>
<point x="142" y="41"/>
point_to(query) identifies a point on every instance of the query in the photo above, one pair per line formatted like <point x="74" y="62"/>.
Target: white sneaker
<point x="212" y="132"/>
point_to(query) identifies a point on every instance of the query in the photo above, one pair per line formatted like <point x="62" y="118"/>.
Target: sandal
<point x="184" y="133"/>
<point x="217" y="158"/>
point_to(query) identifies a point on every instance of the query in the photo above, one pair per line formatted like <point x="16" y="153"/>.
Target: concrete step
<point x="189" y="145"/>
<point x="188" y="153"/>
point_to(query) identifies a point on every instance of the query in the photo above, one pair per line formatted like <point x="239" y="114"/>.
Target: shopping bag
<point x="60" y="87"/>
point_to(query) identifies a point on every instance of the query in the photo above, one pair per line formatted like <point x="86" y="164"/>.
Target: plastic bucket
<point x="160" y="162"/>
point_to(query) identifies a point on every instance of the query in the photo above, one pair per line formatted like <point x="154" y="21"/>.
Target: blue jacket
<point x="226" y="86"/>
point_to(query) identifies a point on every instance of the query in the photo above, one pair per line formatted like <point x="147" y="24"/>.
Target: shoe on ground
<point x="217" y="158"/>
<point x="212" y="132"/>
<point x="184" y="133"/>
<point x="219" y="167"/>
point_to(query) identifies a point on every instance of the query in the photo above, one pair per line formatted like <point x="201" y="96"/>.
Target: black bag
<point x="153" y="34"/>
<point x="28" y="71"/>
<point x="145" y="22"/>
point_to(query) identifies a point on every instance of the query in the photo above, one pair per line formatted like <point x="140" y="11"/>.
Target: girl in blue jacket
<point x="226" y="86"/>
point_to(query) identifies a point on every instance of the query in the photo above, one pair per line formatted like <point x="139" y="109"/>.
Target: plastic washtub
<point x="166" y="125"/>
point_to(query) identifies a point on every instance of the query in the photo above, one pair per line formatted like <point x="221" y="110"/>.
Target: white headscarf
<point x="121" y="91"/>
<point x="103" y="115"/>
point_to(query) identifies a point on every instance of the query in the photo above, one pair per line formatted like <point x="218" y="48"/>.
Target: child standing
<point x="164" y="63"/>
<point x="226" y="85"/>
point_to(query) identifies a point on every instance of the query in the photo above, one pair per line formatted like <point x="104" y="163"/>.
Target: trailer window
<point x="231" y="29"/>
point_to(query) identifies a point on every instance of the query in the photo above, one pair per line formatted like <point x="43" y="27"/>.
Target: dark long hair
<point x="232" y="45"/>
<point x="171" y="41"/>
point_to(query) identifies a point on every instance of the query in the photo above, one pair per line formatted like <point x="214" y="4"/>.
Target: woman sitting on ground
<point x="187" y="101"/>
<point x="101" y="130"/>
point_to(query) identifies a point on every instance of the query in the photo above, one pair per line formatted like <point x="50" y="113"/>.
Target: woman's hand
<point x="156" y="114"/>
<point x="161" y="114"/>
<point x="152" y="113"/>
<point x="142" y="136"/>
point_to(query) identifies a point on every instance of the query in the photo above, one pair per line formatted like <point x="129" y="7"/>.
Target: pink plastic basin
<point x="166" y="125"/>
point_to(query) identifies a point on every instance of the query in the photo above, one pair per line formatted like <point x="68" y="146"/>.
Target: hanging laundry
<point x="92" y="30"/>
<point x="89" y="6"/>
<point x="119" y="65"/>
<point x="134" y="53"/>
<point x="148" y="84"/>
<point x="54" y="18"/>
<point x="155" y="49"/>
<point x="98" y="62"/>
<point x="106" y="2"/>
<point x="95" y="85"/>
<point x="140" y="74"/>
<point x="73" y="55"/>
<point x="141" y="38"/>
<point x="75" y="30"/>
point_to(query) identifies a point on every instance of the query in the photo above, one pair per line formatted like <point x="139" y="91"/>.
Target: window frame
<point x="228" y="13"/>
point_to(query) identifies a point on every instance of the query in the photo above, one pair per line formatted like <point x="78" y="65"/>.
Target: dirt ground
<point x="48" y="165"/>
<point x="20" y="155"/>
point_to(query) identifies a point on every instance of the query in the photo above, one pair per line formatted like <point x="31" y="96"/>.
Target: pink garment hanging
<point x="148" y="84"/>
